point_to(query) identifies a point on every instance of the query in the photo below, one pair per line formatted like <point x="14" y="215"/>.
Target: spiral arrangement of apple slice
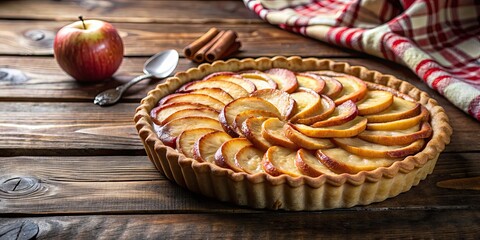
<point x="295" y="123"/>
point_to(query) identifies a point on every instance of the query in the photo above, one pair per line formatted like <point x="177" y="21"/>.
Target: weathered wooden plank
<point x="417" y="224"/>
<point x="120" y="184"/>
<point x="144" y="39"/>
<point x="67" y="129"/>
<point x="130" y="11"/>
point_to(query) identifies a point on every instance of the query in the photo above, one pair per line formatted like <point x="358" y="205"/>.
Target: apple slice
<point x="311" y="81"/>
<point x="282" y="100"/>
<point x="194" y="98"/>
<point x="348" y="129"/>
<point x="233" y="78"/>
<point x="308" y="104"/>
<point x="272" y="131"/>
<point x="328" y="106"/>
<point x="192" y="112"/>
<point x="341" y="161"/>
<point x="398" y="137"/>
<point x="235" y="90"/>
<point x="216" y="93"/>
<point x="284" y="78"/>
<point x="241" y="117"/>
<point x="374" y="102"/>
<point x="353" y="89"/>
<point x="332" y="88"/>
<point x="304" y="141"/>
<point x="225" y="155"/>
<point x="402" y="123"/>
<point x="367" y="149"/>
<point x="231" y="110"/>
<point x="252" y="130"/>
<point x="249" y="159"/>
<point x="343" y="113"/>
<point x="399" y="109"/>
<point x="162" y="112"/>
<point x="187" y="139"/>
<point x="205" y="147"/>
<point x="309" y="165"/>
<point x="260" y="79"/>
<point x="279" y="160"/>
<point x="169" y="132"/>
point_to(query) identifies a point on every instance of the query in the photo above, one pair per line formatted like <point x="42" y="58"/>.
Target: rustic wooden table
<point x="69" y="168"/>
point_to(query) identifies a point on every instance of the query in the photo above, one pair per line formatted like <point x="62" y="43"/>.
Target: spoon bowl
<point x="160" y="65"/>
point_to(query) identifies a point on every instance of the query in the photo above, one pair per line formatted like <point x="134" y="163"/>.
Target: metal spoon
<point x="160" y="65"/>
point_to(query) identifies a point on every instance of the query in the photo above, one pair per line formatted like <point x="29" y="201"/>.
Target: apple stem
<point x="81" y="19"/>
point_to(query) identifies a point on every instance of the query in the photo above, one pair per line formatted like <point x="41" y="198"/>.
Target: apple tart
<point x="291" y="133"/>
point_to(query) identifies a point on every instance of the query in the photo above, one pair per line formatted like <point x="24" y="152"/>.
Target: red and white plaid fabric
<point x="437" y="39"/>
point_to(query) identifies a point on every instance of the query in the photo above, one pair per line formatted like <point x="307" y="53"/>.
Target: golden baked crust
<point x="286" y="192"/>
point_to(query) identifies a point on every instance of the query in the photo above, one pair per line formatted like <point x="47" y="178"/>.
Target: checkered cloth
<point x="438" y="39"/>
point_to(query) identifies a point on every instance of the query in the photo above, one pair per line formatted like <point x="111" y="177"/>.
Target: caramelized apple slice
<point x="332" y="88"/>
<point x="216" y="93"/>
<point x="187" y="139"/>
<point x="398" y="137"/>
<point x="374" y="102"/>
<point x="260" y="79"/>
<point x="169" y="132"/>
<point x="311" y="81"/>
<point x="252" y="130"/>
<point x="328" y="106"/>
<point x="241" y="117"/>
<point x="272" y="131"/>
<point x="194" y="98"/>
<point x="233" y="78"/>
<point x="160" y="113"/>
<point x="304" y="141"/>
<point x="309" y="165"/>
<point x="343" y="113"/>
<point x="235" y="90"/>
<point x="284" y="103"/>
<point x="353" y="89"/>
<point x="348" y="129"/>
<point x="308" y="104"/>
<point x="279" y="160"/>
<point x="284" y="78"/>
<point x="205" y="147"/>
<point x="399" y="109"/>
<point x="192" y="112"/>
<point x="341" y="161"/>
<point x="402" y="123"/>
<point x="231" y="110"/>
<point x="249" y="159"/>
<point x="225" y="155"/>
<point x="367" y="149"/>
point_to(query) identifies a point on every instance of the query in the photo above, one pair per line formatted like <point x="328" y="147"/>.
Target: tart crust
<point x="286" y="192"/>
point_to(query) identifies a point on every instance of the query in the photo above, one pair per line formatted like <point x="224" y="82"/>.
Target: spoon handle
<point x="124" y="87"/>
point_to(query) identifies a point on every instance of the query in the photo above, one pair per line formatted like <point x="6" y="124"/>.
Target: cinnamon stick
<point x="196" y="45"/>
<point x="231" y="50"/>
<point x="199" y="56"/>
<point x="221" y="46"/>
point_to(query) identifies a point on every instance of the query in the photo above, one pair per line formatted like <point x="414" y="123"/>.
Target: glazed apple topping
<point x="295" y="123"/>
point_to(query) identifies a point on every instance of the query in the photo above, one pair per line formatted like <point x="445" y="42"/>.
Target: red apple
<point x="89" y="50"/>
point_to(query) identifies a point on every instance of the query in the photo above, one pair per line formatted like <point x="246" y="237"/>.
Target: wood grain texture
<point x="36" y="38"/>
<point x="67" y="128"/>
<point x="456" y="224"/>
<point x="124" y="184"/>
<point x="172" y="11"/>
